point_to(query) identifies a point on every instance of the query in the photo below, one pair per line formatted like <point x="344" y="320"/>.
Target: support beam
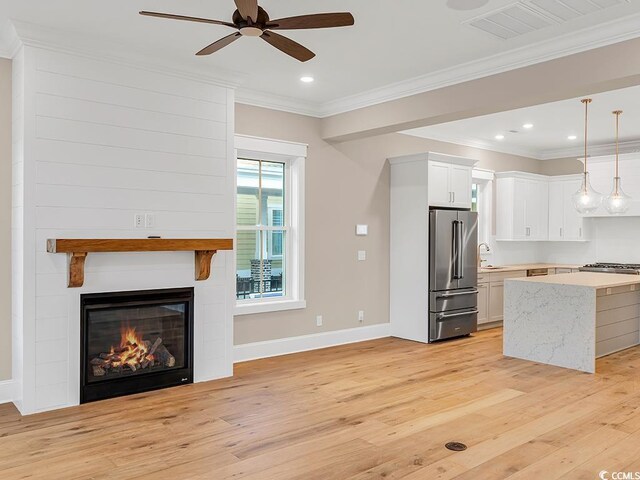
<point x="599" y="70"/>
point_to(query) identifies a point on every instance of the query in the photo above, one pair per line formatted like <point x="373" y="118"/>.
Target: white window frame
<point x="293" y="155"/>
<point x="484" y="179"/>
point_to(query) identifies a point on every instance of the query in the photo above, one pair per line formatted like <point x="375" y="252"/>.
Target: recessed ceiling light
<point x="571" y="137"/>
<point x="499" y="137"/>
<point x="306" y="79"/>
<point x="527" y="125"/>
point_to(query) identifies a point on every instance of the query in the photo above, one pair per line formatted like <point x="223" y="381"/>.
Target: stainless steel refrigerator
<point x="453" y="273"/>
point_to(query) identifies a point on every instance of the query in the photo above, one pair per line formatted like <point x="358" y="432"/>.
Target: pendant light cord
<point x="586" y="102"/>
<point x="617" y="113"/>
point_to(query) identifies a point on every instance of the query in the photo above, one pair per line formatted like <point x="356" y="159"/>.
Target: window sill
<point x="265" y="307"/>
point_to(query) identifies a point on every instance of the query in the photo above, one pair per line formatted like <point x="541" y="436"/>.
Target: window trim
<point x="485" y="179"/>
<point x="293" y="155"/>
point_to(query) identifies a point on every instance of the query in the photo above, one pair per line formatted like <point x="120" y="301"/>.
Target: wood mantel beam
<point x="77" y="249"/>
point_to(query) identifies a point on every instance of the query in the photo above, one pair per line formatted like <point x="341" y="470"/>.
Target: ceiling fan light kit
<point x="251" y="20"/>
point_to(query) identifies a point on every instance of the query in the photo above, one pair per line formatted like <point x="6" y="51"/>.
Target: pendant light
<point x="586" y="199"/>
<point x="618" y="202"/>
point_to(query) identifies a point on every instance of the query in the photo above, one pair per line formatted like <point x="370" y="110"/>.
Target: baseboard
<point x="7" y="391"/>
<point x="284" y="346"/>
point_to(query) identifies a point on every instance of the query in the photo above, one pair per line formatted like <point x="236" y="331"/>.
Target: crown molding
<point x="630" y="146"/>
<point x="588" y="38"/>
<point x="277" y="102"/>
<point x="481" y="144"/>
<point x="37" y="36"/>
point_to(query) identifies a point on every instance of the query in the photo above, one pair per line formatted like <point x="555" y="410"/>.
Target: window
<point x="482" y="202"/>
<point x="269" y="218"/>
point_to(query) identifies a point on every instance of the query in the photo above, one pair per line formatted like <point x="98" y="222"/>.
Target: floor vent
<point x="530" y="15"/>
<point x="456" y="446"/>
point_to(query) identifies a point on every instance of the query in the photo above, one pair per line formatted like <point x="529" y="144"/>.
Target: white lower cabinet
<point x="483" y="303"/>
<point x="496" y="301"/>
<point x="491" y="295"/>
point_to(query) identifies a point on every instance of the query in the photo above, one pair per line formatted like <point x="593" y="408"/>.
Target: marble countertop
<point x="584" y="279"/>
<point x="526" y="266"/>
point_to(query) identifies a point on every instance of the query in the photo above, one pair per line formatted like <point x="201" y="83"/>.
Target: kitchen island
<point x="570" y="319"/>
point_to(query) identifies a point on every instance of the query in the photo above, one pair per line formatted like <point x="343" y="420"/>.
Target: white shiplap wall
<point x="104" y="141"/>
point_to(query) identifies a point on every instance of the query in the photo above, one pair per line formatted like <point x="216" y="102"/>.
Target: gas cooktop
<point x="628" y="268"/>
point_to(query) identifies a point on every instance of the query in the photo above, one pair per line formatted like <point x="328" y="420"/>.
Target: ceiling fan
<point x="251" y="20"/>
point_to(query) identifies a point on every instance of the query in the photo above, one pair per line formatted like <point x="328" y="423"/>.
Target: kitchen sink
<point x="492" y="267"/>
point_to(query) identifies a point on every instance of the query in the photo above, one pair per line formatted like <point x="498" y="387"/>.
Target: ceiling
<point x="552" y="124"/>
<point x="392" y="40"/>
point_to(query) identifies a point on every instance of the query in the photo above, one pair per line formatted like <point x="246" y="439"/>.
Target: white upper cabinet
<point x="439" y="191"/>
<point x="522" y="206"/>
<point x="449" y="181"/>
<point x="565" y="224"/>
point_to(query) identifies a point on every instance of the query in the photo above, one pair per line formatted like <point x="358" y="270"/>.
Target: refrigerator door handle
<point x="458" y="254"/>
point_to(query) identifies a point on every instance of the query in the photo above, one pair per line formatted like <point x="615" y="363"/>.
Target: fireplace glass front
<point x="136" y="341"/>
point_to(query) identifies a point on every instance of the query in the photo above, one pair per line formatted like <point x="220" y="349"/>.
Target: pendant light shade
<point x="586" y="199"/>
<point x="617" y="202"/>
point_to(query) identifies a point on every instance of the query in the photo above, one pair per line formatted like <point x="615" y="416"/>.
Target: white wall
<point x="5" y="219"/>
<point x="102" y="142"/>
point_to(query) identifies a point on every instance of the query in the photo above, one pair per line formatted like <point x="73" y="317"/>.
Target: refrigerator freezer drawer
<point x="453" y="300"/>
<point x="452" y="324"/>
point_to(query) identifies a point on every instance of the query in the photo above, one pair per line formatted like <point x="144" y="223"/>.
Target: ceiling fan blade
<point x="248" y="8"/>
<point x="318" y="20"/>
<point x="190" y="19"/>
<point x="218" y="44"/>
<point x="288" y="46"/>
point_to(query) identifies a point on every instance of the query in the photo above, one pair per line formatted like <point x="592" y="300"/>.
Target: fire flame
<point x="133" y="349"/>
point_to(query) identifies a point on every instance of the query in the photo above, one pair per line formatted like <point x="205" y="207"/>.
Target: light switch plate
<point x="362" y="230"/>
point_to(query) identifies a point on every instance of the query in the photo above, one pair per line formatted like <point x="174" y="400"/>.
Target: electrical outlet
<point x="361" y="316"/>
<point x="633" y="288"/>
<point x="608" y="291"/>
<point x="362" y="255"/>
<point x="149" y="220"/>
<point x="318" y="320"/>
<point x="138" y="220"/>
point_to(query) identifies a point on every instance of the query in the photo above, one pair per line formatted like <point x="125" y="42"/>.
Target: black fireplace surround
<point x="134" y="342"/>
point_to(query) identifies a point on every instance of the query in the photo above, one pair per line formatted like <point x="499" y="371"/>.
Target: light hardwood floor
<point x="373" y="410"/>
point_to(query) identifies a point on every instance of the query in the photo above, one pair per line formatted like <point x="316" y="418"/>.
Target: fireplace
<point x="135" y="341"/>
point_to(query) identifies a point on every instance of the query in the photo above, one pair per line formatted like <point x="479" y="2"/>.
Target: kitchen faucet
<point x="480" y="258"/>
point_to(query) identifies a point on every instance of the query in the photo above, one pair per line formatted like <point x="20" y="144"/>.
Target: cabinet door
<point x="496" y="301"/>
<point x="483" y="303"/>
<point x="520" y="194"/>
<point x="460" y="184"/>
<point x="556" y="210"/>
<point x="563" y="270"/>
<point x="573" y="227"/>
<point x="536" y="210"/>
<point x="439" y="191"/>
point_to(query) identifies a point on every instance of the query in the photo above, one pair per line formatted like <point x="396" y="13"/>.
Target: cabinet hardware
<point x="560" y="231"/>
<point x="442" y="315"/>
<point x="448" y="295"/>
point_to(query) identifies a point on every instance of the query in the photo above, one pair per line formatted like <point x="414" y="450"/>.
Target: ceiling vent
<point x="531" y="15"/>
